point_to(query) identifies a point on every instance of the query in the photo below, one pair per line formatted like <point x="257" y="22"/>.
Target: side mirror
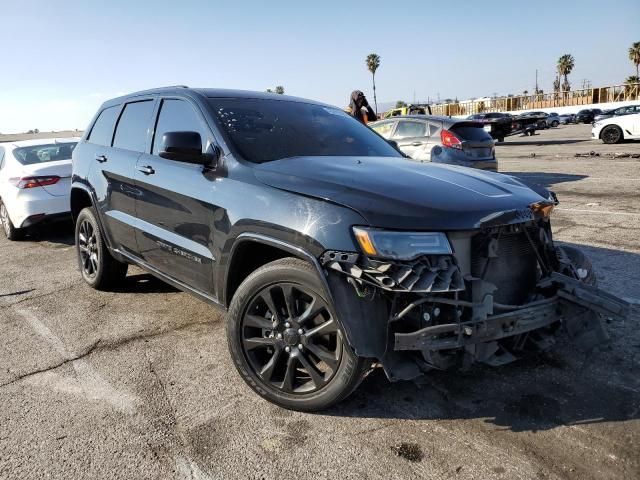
<point x="183" y="147"/>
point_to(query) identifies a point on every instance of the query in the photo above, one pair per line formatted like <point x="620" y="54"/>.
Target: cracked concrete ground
<point x="138" y="383"/>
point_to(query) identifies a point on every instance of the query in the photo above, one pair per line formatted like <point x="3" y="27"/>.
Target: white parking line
<point x="88" y="382"/>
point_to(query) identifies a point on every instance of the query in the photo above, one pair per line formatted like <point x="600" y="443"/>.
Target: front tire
<point x="285" y="340"/>
<point x="99" y="269"/>
<point x="611" y="134"/>
<point x="10" y="231"/>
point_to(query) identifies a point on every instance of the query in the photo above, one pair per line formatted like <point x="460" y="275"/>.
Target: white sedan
<point x="616" y="129"/>
<point x="35" y="182"/>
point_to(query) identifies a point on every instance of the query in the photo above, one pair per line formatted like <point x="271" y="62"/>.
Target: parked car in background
<point x="553" y="119"/>
<point x="617" y="129"/>
<point x="329" y="251"/>
<point x="410" y="109"/>
<point x="35" y="181"/>
<point x="440" y="140"/>
<point x="499" y="125"/>
<point x="567" y="118"/>
<point x="587" y="115"/>
<point x="530" y="120"/>
<point x="617" y="112"/>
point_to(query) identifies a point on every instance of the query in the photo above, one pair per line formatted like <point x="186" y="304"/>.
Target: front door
<point x="174" y="229"/>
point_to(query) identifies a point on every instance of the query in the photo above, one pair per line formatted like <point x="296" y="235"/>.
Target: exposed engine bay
<point x="503" y="291"/>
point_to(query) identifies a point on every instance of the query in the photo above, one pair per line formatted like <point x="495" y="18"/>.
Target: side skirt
<point x="170" y="280"/>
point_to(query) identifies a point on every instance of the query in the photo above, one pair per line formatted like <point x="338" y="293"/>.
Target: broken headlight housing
<point x="401" y="245"/>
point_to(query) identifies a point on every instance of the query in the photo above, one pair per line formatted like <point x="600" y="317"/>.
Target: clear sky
<point x="62" y="58"/>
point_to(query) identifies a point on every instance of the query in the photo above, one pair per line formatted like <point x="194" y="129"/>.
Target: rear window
<point x="131" y="132"/>
<point x="469" y="132"/>
<point x="102" y="130"/>
<point x="262" y="130"/>
<point x="51" y="152"/>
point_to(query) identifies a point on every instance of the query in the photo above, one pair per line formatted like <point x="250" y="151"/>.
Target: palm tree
<point x="565" y="64"/>
<point x="634" y="56"/>
<point x="373" y="62"/>
<point x="631" y="87"/>
<point x="279" y="90"/>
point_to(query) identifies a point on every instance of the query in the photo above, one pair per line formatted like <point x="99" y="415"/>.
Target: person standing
<point x="360" y="108"/>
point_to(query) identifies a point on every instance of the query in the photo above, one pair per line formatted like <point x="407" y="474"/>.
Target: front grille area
<point x="508" y="261"/>
<point x="427" y="273"/>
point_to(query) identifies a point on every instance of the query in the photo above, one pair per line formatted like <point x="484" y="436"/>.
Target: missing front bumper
<point x="574" y="306"/>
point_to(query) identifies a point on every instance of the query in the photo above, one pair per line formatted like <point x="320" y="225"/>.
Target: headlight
<point x="401" y="245"/>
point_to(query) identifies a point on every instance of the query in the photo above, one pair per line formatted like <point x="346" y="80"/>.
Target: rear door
<point x="113" y="174"/>
<point x="412" y="138"/>
<point x="175" y="218"/>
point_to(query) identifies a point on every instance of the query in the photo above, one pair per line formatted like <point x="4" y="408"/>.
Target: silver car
<point x="440" y="140"/>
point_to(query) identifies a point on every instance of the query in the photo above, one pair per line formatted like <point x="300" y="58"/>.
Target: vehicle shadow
<point x="571" y="384"/>
<point x="60" y="232"/>
<point x="143" y="283"/>
<point x="545" y="178"/>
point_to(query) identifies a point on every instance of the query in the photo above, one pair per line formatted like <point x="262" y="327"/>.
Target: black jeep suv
<point x="328" y="249"/>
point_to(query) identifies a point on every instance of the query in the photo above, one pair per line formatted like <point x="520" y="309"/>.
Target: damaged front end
<point x="499" y="291"/>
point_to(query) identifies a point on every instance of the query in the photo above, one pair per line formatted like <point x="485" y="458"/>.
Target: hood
<point x="403" y="194"/>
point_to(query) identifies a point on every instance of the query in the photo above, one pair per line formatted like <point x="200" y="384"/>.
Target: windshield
<point x="44" y="153"/>
<point x="262" y="130"/>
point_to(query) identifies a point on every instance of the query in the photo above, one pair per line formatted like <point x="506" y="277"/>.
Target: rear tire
<point x="293" y="357"/>
<point x="611" y="134"/>
<point x="555" y="123"/>
<point x="10" y="231"/>
<point x="99" y="269"/>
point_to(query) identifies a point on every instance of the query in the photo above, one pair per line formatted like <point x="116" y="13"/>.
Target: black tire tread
<point x="350" y="375"/>
<point x="110" y="271"/>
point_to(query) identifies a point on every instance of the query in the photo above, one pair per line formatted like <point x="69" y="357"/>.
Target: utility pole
<point x="536" y="91"/>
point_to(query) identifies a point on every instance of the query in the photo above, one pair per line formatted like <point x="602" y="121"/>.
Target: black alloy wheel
<point x="611" y="134"/>
<point x="286" y="342"/>
<point x="99" y="269"/>
<point x="290" y="338"/>
<point x="88" y="249"/>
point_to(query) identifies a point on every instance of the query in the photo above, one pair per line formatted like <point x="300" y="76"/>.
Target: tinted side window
<point x="177" y="116"/>
<point x="131" y="132"/>
<point x="410" y="129"/>
<point x="102" y="130"/>
<point x="1" y="158"/>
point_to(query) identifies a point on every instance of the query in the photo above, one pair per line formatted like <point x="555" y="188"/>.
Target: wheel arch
<point x="80" y="198"/>
<point x="363" y="322"/>
<point x="251" y="251"/>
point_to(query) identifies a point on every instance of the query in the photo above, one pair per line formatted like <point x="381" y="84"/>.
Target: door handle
<point x="147" y="170"/>
<point x="101" y="158"/>
<point x="416" y="144"/>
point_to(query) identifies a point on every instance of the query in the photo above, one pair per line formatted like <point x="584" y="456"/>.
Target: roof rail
<point x="155" y="89"/>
